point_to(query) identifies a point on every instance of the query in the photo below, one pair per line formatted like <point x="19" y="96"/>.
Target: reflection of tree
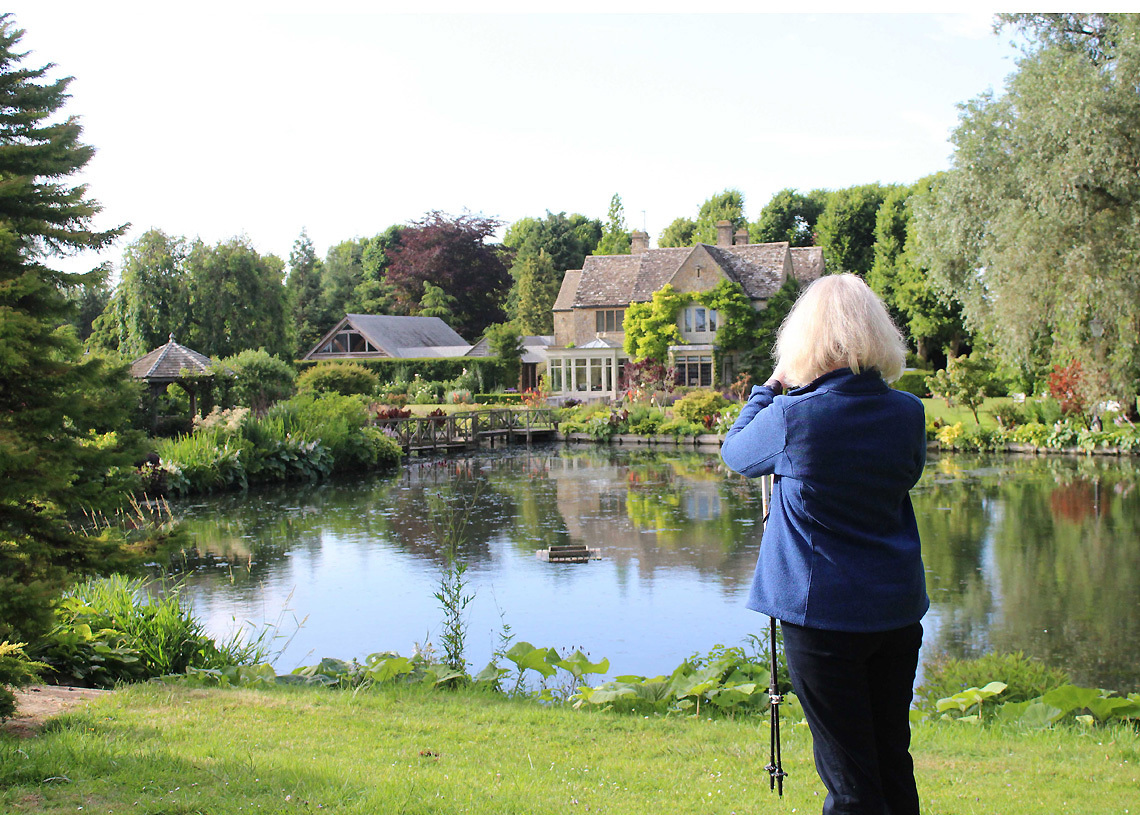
<point x="1063" y="580"/>
<point x="1078" y="500"/>
<point x="1072" y="588"/>
<point x="953" y="516"/>
<point x="462" y="487"/>
<point x="246" y="534"/>
<point x="537" y="522"/>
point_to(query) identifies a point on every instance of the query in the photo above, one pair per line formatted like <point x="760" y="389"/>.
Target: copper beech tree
<point x="453" y="253"/>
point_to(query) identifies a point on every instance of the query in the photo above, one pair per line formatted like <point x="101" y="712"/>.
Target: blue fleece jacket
<point x="841" y="548"/>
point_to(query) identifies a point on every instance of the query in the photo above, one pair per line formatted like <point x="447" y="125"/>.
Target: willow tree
<point x="1033" y="228"/>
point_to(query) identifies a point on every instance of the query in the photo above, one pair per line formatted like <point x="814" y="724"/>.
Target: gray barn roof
<point x="403" y="337"/>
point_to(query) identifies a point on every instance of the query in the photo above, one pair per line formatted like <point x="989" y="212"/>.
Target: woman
<point x="839" y="564"/>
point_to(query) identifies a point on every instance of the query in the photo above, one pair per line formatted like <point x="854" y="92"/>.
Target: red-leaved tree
<point x="1066" y="385"/>
<point x="452" y="252"/>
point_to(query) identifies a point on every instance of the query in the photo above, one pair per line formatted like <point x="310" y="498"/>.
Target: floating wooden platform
<point x="572" y="553"/>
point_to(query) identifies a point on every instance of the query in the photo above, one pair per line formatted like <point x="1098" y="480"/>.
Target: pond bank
<point x="712" y="442"/>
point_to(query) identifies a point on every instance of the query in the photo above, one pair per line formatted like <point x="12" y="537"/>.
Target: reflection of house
<point x="587" y="359"/>
<point x="370" y="336"/>
<point x="533" y="355"/>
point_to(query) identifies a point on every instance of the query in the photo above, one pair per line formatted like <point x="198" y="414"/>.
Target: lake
<point x="1038" y="554"/>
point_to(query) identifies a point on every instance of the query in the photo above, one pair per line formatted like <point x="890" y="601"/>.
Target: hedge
<point x="433" y="369"/>
<point x="498" y="398"/>
<point x="914" y="382"/>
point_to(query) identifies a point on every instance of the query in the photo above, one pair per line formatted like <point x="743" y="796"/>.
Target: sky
<point x="219" y="120"/>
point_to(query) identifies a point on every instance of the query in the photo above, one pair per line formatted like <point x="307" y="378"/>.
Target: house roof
<point x="403" y="337"/>
<point x="618" y="280"/>
<point x="168" y="363"/>
<point x="807" y="263"/>
<point x="569" y="289"/>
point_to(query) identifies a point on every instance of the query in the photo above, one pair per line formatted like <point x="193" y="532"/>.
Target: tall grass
<point x="112" y="629"/>
<point x="304" y="438"/>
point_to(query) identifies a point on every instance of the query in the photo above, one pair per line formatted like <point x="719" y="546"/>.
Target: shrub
<point x="1026" y="678"/>
<point x="338" y="423"/>
<point x="1067" y="385"/>
<point x="948" y="435"/>
<point x="1033" y="433"/>
<point x="679" y="427"/>
<point x="424" y="392"/>
<point x="16" y="669"/>
<point x="207" y="460"/>
<point x="913" y="382"/>
<point x="1044" y="410"/>
<point x="1008" y="415"/>
<point x="484" y="373"/>
<point x="109" y="630"/>
<point x="345" y="378"/>
<point x="701" y="407"/>
<point x="383" y="414"/>
<point x="275" y="455"/>
<point x="259" y="380"/>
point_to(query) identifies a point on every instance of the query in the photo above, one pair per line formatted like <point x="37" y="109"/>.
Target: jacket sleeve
<point x="757" y="438"/>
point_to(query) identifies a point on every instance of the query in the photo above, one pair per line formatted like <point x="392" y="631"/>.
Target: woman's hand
<point x="780" y="375"/>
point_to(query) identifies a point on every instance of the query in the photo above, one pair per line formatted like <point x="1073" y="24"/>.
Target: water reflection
<point x="1039" y="555"/>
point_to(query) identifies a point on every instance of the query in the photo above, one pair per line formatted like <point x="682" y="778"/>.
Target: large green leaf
<point x="579" y="664"/>
<point x="1070" y="697"/>
<point x="385" y="670"/>
<point x="1113" y="707"/>
<point x="527" y="656"/>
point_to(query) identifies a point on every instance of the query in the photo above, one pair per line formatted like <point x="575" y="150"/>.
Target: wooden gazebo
<point x="174" y="364"/>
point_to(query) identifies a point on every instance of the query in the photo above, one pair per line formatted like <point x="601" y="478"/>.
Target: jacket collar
<point x="845" y="380"/>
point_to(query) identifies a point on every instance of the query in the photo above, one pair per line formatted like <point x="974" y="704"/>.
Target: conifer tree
<point x="437" y="303"/>
<point x="303" y="295"/>
<point x="537" y="290"/>
<point x="616" y="239"/>
<point x="59" y="410"/>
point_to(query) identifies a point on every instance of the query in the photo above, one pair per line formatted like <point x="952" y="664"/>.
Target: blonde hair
<point x="839" y="322"/>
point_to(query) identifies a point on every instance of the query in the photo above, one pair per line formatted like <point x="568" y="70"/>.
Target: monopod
<point x="775" y="766"/>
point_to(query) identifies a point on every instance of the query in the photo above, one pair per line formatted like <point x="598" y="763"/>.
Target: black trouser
<point x="856" y="690"/>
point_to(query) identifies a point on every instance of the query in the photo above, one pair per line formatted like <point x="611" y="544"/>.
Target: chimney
<point x="742" y="236"/>
<point x="724" y="233"/>
<point x="638" y="242"/>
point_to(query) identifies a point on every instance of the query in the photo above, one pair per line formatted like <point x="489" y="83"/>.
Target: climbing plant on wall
<point x="650" y="328"/>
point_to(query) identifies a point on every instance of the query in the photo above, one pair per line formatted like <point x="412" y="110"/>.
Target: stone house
<point x="586" y="360"/>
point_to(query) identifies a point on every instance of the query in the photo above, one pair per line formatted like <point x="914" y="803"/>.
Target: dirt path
<point x="36" y="704"/>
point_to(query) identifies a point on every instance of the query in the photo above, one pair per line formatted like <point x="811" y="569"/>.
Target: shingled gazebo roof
<point x="169" y="363"/>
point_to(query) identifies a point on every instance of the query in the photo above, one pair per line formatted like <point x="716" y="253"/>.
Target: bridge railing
<point x="422" y="432"/>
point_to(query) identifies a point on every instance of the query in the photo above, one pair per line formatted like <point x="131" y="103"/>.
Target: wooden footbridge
<point x="461" y="431"/>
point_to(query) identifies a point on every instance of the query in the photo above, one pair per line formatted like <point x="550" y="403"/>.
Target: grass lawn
<point x="936" y="409"/>
<point x="165" y="750"/>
